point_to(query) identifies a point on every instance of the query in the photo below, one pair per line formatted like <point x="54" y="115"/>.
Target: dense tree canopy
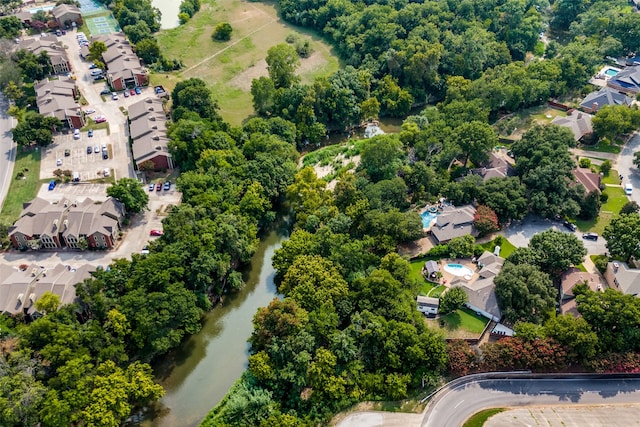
<point x="525" y="293"/>
<point x="130" y="193"/>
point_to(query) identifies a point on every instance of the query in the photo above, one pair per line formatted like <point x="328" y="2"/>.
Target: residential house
<point x="627" y="80"/>
<point x="427" y="305"/>
<point x="54" y="49"/>
<point x="496" y="167"/>
<point x="124" y="68"/>
<point x="481" y="291"/>
<point x="568" y="281"/>
<point x="20" y="288"/>
<point x="25" y="17"/>
<point x="578" y="123"/>
<point x="57" y="98"/>
<point x="589" y="180"/>
<point x="453" y="222"/>
<point x="623" y="278"/>
<point x="63" y="224"/>
<point x="65" y="14"/>
<point x="605" y="96"/>
<point x="148" y="131"/>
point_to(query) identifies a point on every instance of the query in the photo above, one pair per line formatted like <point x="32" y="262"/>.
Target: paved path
<point x="595" y="154"/>
<point x="626" y="168"/>
<point x="7" y="149"/>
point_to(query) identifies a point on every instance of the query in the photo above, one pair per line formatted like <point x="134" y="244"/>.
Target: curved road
<point x="7" y="149"/>
<point x="453" y="406"/>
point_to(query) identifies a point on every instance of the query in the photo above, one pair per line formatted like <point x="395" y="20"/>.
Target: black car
<point x="570" y="226"/>
<point x="105" y="92"/>
<point x="590" y="236"/>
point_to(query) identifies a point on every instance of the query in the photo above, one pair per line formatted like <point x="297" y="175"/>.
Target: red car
<point x="132" y="92"/>
<point x="156" y="233"/>
<point x="159" y="186"/>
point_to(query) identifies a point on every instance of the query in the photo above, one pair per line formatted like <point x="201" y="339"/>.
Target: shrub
<point x="601" y="261"/>
<point x="222" y="32"/>
<point x="605" y="167"/>
<point x="585" y="163"/>
<point x="183" y="17"/>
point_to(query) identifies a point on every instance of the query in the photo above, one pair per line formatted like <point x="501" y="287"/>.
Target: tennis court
<point x="90" y="7"/>
<point x="102" y="25"/>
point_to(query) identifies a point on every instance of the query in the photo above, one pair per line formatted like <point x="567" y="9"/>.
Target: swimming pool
<point x="428" y="218"/>
<point x="458" y="270"/>
<point x="38" y="9"/>
<point x="610" y="72"/>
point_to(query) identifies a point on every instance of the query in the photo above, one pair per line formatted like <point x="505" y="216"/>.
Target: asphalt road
<point x="7" y="149"/>
<point x="627" y="169"/>
<point x="452" y="407"/>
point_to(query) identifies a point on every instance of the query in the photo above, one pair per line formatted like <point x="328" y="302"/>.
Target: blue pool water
<point x="428" y="218"/>
<point x="611" y="72"/>
<point x="458" y="270"/>
<point x="37" y="9"/>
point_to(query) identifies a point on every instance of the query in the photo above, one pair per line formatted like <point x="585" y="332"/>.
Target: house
<point x="589" y="180"/>
<point x="496" y="167"/>
<point x="124" y="68"/>
<point x="24" y="16"/>
<point x="148" y="131"/>
<point x="65" y="14"/>
<point x="20" y="288"/>
<point x="605" y="96"/>
<point x="427" y="305"/>
<point x="627" y="80"/>
<point x="57" y="98"/>
<point x="568" y="281"/>
<point x="52" y="47"/>
<point x="453" y="222"/>
<point x="481" y="295"/>
<point x="578" y="123"/>
<point x="63" y="224"/>
<point x="623" y="278"/>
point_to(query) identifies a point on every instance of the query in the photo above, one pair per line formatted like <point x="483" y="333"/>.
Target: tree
<point x="130" y="193"/>
<point x="605" y="167"/>
<point x="148" y="50"/>
<point x="590" y="206"/>
<point x="476" y="140"/>
<point x="282" y="61"/>
<point x="636" y="158"/>
<point x="96" y="49"/>
<point x="452" y="300"/>
<point x="506" y="196"/>
<point x="193" y="95"/>
<point x="222" y="32"/>
<point x="461" y="247"/>
<point x="629" y="208"/>
<point x="556" y="251"/>
<point x="622" y="235"/>
<point x="35" y="128"/>
<point x="263" y="92"/>
<point x="485" y="220"/>
<point x="574" y="333"/>
<point x="524" y="293"/>
<point x="48" y="303"/>
<point x="138" y="31"/>
<point x="381" y="157"/>
<point x="611" y="121"/>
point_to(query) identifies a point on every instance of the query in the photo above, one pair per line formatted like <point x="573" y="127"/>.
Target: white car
<point x="76" y="134"/>
<point x="89" y="111"/>
<point x="59" y="162"/>
<point x="628" y="189"/>
<point x="106" y="172"/>
<point x="114" y="96"/>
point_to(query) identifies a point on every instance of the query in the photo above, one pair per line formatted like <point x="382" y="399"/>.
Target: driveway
<point x="519" y="233"/>
<point x="627" y="169"/>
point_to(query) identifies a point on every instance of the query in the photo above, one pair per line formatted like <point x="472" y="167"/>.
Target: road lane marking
<point x="460" y="403"/>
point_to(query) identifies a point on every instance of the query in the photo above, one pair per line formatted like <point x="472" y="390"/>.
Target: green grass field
<point x="595" y="225"/>
<point x="617" y="199"/>
<point x="602" y="147"/>
<point x="229" y="67"/>
<point x="481" y="417"/>
<point x="506" y="247"/>
<point x="612" y="178"/>
<point x="22" y="190"/>
<point x="464" y="319"/>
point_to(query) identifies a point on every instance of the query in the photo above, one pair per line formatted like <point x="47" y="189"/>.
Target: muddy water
<point x="198" y="376"/>
<point x="169" y="9"/>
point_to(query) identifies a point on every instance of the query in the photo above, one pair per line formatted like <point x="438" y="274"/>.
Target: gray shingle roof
<point x="605" y="96"/>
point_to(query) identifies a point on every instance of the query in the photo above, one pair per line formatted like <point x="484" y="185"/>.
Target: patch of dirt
<point x="259" y="69"/>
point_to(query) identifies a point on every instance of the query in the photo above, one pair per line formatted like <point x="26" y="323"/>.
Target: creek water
<point x="170" y="10"/>
<point x="198" y="375"/>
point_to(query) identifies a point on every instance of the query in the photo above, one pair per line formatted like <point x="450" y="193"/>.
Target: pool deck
<point x="449" y="278"/>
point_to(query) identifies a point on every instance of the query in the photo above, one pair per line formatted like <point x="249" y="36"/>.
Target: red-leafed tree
<point x="485" y="220"/>
<point x="540" y="355"/>
<point x="462" y="359"/>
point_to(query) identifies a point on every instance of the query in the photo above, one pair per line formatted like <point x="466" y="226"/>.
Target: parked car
<point x="114" y="96"/>
<point x="89" y="111"/>
<point x="133" y="92"/>
<point x="156" y="233"/>
<point x="52" y="185"/>
<point x="590" y="236"/>
<point x="96" y="149"/>
<point x="99" y="119"/>
<point x="76" y="134"/>
<point x="59" y="162"/>
<point x="98" y="78"/>
<point x="628" y="189"/>
<point x="67" y="152"/>
<point x="126" y="94"/>
<point x="145" y="250"/>
<point x="90" y="133"/>
<point x="570" y="226"/>
<point x="152" y="186"/>
<point x="105" y="155"/>
<point x="159" y="186"/>
<point x="106" y="172"/>
<point x="167" y="186"/>
<point x="137" y="90"/>
<point x="93" y="66"/>
<point x="105" y="92"/>
<point x="89" y="150"/>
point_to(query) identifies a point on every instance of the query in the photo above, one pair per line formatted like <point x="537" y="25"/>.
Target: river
<point x="198" y="375"/>
<point x="170" y="10"/>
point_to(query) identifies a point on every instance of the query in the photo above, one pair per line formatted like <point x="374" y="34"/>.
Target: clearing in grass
<point x="229" y="67"/>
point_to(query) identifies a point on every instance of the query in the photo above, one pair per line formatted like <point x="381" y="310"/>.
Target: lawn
<point x="22" y="190"/>
<point x="464" y="319"/>
<point x="613" y="178"/>
<point x="478" y="419"/>
<point x="617" y="199"/>
<point x="229" y="67"/>
<point x="506" y="247"/>
<point x="602" y="147"/>
<point x="595" y="225"/>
